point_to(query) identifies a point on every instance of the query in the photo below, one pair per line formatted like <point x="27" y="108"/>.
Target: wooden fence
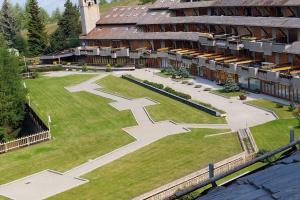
<point x="197" y="177"/>
<point x="25" y="141"/>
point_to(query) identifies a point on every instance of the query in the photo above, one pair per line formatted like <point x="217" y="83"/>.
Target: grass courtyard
<point x="167" y="109"/>
<point x="84" y="126"/>
<point x="274" y="134"/>
<point x="155" y="165"/>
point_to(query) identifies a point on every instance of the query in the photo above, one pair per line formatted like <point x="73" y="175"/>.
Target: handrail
<point x="220" y="176"/>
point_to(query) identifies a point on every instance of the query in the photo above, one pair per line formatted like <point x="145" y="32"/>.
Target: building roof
<point x="130" y="33"/>
<point x="123" y="15"/>
<point x="280" y="180"/>
<point x="280" y="22"/>
<point x="234" y="3"/>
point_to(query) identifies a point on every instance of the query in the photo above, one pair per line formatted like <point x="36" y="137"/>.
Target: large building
<point x="257" y="42"/>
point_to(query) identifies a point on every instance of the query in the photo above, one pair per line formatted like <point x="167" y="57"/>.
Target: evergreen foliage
<point x="12" y="93"/>
<point x="68" y="31"/>
<point x="8" y="25"/>
<point x="231" y="85"/>
<point x="37" y="39"/>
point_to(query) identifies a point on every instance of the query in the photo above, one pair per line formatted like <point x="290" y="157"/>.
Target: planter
<point x="243" y="97"/>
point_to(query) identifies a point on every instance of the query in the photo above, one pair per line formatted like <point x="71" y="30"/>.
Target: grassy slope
<point x="274" y="134"/>
<point x="167" y="109"/>
<point x="155" y="165"/>
<point x="50" y="28"/>
<point x="84" y="127"/>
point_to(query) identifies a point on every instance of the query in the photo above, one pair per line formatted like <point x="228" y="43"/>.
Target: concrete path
<point x="239" y="115"/>
<point x="48" y="183"/>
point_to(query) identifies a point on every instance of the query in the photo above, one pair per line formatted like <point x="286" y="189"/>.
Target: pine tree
<point x="37" y="38"/>
<point x="68" y="31"/>
<point x="8" y="25"/>
<point x="230" y="85"/>
<point x="12" y="93"/>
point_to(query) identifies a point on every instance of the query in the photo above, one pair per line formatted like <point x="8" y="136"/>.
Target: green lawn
<point x="282" y="113"/>
<point x="155" y="165"/>
<point x="84" y="127"/>
<point x="274" y="134"/>
<point x="227" y="94"/>
<point x="167" y="109"/>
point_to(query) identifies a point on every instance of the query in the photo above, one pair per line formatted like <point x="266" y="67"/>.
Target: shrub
<point x="180" y="94"/>
<point x="48" y="68"/>
<point x="108" y="68"/>
<point x="35" y="75"/>
<point x="119" y="65"/>
<point x="292" y="107"/>
<point x="279" y="105"/>
<point x="84" y="68"/>
<point x="156" y="85"/>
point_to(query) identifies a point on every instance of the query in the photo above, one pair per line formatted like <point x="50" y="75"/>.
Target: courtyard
<point x="87" y="128"/>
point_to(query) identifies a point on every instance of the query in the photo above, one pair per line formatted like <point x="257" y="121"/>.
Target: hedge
<point x="157" y="85"/>
<point x="180" y="94"/>
<point x="48" y="68"/>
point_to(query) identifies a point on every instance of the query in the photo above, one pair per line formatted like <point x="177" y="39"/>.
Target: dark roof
<point x="235" y="3"/>
<point x="130" y="33"/>
<point x="281" y="180"/>
<point x="280" y="22"/>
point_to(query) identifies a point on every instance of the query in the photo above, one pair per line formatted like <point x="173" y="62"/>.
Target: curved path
<point x="48" y="183"/>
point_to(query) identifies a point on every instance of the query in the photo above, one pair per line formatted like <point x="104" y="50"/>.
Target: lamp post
<point x="25" y="64"/>
<point x="49" y="125"/>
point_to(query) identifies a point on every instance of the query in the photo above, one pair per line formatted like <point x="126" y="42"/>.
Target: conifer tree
<point x="8" y="25"/>
<point x="230" y="85"/>
<point x="12" y="93"/>
<point x="37" y="39"/>
<point x="68" y="31"/>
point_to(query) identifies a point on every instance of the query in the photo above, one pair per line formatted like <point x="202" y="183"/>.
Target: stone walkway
<point x="239" y="115"/>
<point x="48" y="183"/>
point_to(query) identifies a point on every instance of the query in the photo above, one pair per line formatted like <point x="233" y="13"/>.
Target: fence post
<point x="5" y="147"/>
<point x="292" y="135"/>
<point x="211" y="171"/>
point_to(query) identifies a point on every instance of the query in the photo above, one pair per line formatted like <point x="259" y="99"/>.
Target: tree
<point x="56" y="15"/>
<point x="68" y="31"/>
<point x="12" y="92"/>
<point x="231" y="85"/>
<point x="37" y="38"/>
<point x="21" y="44"/>
<point x="8" y="25"/>
<point x="103" y="2"/>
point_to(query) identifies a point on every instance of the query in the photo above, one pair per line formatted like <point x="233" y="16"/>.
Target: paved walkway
<point x="48" y="183"/>
<point x="239" y="115"/>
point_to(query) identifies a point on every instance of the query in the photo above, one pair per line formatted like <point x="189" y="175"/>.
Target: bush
<point x="108" y="68"/>
<point x="48" y="68"/>
<point x="156" y="85"/>
<point x="279" y="105"/>
<point x="84" y="68"/>
<point x="119" y="65"/>
<point x="180" y="94"/>
<point x="292" y="107"/>
<point x="35" y="75"/>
